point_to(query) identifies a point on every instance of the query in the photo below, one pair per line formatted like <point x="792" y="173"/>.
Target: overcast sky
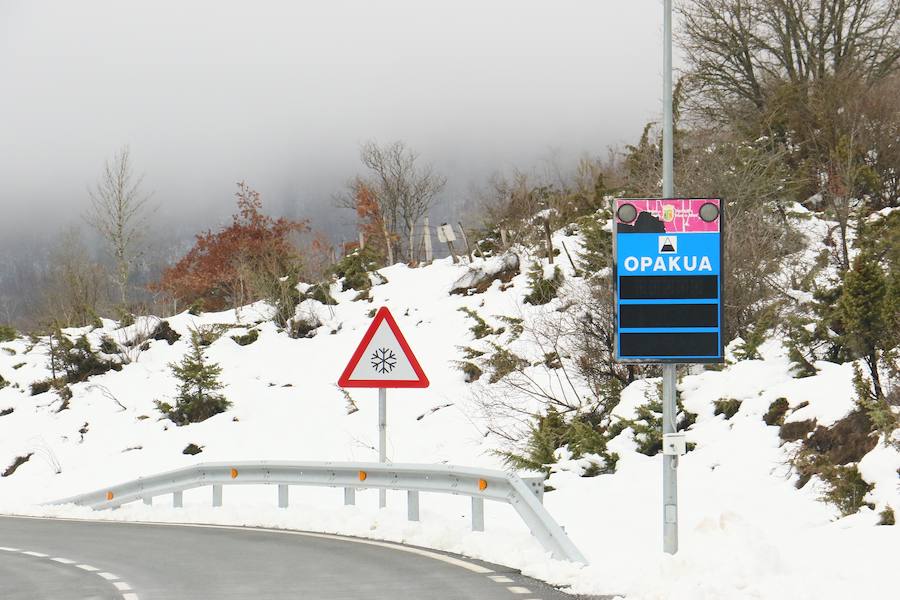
<point x="281" y="93"/>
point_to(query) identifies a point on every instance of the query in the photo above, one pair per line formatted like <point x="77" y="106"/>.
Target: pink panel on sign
<point x="678" y="215"/>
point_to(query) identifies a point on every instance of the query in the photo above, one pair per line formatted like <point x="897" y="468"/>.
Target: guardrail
<point x="524" y="495"/>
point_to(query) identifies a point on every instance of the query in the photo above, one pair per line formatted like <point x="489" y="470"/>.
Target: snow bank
<point x="480" y="276"/>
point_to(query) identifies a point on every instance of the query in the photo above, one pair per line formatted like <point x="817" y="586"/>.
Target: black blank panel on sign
<point x="668" y="344"/>
<point x="668" y="315"/>
<point x="673" y="287"/>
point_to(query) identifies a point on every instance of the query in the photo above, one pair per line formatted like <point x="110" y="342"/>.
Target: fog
<point x="281" y="94"/>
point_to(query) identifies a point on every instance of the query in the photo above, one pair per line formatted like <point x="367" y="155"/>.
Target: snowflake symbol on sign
<point x="384" y="360"/>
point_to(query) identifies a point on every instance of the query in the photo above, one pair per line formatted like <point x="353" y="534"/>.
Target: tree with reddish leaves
<point x="246" y="261"/>
<point x="371" y="223"/>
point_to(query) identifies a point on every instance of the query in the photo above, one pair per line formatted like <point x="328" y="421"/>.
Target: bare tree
<point x="118" y="211"/>
<point x="75" y="287"/>
<point x="566" y="364"/>
<point x="853" y="128"/>
<point x="509" y="200"/>
<point x="403" y="189"/>
<point x="879" y="133"/>
<point x="738" y="51"/>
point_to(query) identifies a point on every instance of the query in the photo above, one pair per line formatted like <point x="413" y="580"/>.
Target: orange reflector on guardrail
<point x="109" y="496"/>
<point x="363" y="475"/>
<point x="234" y="473"/>
<point x="482" y="484"/>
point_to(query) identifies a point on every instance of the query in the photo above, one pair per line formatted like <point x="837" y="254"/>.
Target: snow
<point x="881" y="214"/>
<point x="746" y="531"/>
<point x="486" y="269"/>
<point x="548" y="271"/>
<point x="882" y="464"/>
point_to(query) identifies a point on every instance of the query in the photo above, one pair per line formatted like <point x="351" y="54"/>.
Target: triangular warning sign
<point x="383" y="358"/>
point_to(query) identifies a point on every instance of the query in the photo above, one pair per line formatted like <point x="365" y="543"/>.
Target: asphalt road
<point x="67" y="560"/>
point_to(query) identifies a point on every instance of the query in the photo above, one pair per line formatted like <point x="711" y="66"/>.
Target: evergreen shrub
<point x="726" y="406"/>
<point x="777" y="410"/>
<point x="543" y="290"/>
<point x="198" y="398"/>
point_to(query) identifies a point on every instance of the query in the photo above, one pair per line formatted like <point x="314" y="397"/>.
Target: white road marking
<point x="500" y="579"/>
<point x="518" y="590"/>
<point x="114" y="579"/>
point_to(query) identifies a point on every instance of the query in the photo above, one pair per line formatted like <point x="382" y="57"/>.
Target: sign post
<point x="668" y="305"/>
<point x="383" y="360"/>
<point x="382" y="439"/>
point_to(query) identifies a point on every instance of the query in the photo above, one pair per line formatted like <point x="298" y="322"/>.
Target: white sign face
<point x="445" y="233"/>
<point x="383" y="358"/>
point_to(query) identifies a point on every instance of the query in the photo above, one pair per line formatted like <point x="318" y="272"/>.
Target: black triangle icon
<point x="667" y="246"/>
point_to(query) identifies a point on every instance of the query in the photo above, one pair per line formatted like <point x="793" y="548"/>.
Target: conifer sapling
<point x="197" y="398"/>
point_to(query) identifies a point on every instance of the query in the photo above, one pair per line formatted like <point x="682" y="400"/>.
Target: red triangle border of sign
<point x="383" y="314"/>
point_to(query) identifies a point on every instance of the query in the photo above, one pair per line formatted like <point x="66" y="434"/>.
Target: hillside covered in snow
<point x="753" y="525"/>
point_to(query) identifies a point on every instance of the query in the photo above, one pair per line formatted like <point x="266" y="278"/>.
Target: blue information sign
<point x="668" y="280"/>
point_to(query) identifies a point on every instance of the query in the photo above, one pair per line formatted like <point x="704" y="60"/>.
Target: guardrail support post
<point x="382" y="439"/>
<point x="148" y="500"/>
<point x="477" y="514"/>
<point x="177" y="499"/>
<point x="412" y="505"/>
<point x="217" y="494"/>
<point x="282" y="496"/>
<point x="349" y="496"/>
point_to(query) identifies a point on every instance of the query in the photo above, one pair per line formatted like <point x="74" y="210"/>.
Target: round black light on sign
<point x="627" y="213"/>
<point x="709" y="212"/>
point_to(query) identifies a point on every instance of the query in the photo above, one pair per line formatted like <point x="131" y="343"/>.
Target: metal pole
<point x="670" y="465"/>
<point x="668" y="184"/>
<point x="382" y="439"/>
<point x="670" y="462"/>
